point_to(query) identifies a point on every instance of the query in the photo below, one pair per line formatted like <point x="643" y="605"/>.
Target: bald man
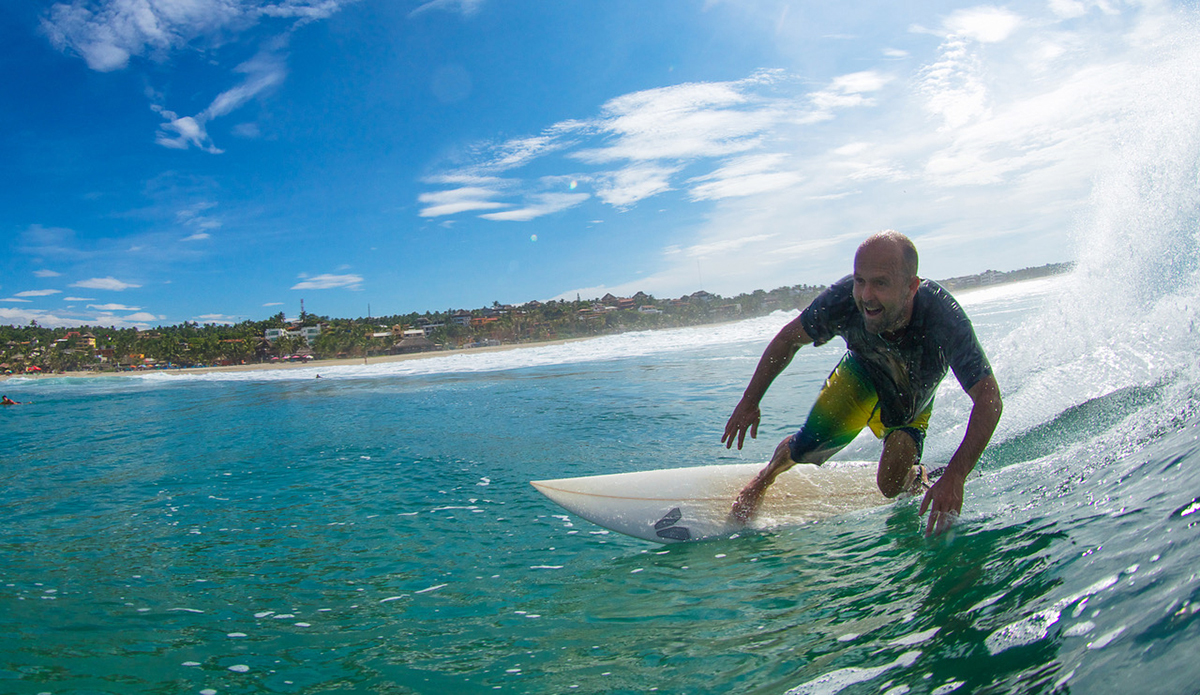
<point x="902" y="335"/>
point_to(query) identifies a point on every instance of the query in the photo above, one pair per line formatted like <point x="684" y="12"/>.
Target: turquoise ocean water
<point x="374" y="531"/>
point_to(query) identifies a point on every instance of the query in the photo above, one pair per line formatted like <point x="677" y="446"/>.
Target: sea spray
<point x="1126" y="317"/>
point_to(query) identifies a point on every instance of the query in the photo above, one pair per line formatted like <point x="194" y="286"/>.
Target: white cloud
<point x="273" y="304"/>
<point x="454" y="201"/>
<point x="78" y="299"/>
<point x="329" y="282"/>
<point x="16" y="299"/>
<point x="466" y="8"/>
<point x="639" y="142"/>
<point x="19" y="317"/>
<point x="686" y="121"/>
<point x="627" y="186"/>
<point x="105" y="283"/>
<point x="108" y="33"/>
<point x="984" y="24"/>
<point x="953" y="86"/>
<point x="37" y="293"/>
<point x="847" y="91"/>
<point x="53" y="242"/>
<point x="198" y="236"/>
<point x="113" y="307"/>
<point x="545" y="204"/>
<point x="722" y="246"/>
<point x="217" y="318"/>
<point x="264" y="71"/>
<point x="45" y="274"/>
<point x="744" y="176"/>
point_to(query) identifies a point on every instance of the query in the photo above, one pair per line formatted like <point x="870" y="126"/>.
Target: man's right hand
<point x="745" y="418"/>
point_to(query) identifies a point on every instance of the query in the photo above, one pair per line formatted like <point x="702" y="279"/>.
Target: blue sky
<point x="220" y="160"/>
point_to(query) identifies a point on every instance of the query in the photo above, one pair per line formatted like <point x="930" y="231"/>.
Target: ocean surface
<point x="374" y="531"/>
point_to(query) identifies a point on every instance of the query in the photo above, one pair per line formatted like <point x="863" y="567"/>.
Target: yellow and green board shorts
<point x="846" y="404"/>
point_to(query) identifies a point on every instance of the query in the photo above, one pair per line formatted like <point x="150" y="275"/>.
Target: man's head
<point x="885" y="281"/>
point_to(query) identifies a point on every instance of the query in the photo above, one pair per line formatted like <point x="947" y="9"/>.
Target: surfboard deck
<point x="685" y="504"/>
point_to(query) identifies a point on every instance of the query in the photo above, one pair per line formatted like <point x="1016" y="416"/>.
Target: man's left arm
<point x="944" y="500"/>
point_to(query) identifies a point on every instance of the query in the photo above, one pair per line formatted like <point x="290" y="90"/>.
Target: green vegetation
<point x="98" y="348"/>
<point x="190" y="344"/>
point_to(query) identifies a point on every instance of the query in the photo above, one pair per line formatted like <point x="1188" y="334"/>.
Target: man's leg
<point x="898" y="470"/>
<point x="843" y="406"/>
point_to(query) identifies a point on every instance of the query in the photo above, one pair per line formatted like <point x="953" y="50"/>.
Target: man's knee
<point x="901" y="451"/>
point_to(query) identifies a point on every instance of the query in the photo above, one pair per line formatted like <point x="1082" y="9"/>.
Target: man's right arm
<point x="775" y="359"/>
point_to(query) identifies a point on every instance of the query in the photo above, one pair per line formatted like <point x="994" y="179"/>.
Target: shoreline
<point x="384" y="359"/>
<point x="267" y="366"/>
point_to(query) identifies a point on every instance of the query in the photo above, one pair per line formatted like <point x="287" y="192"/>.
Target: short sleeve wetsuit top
<point x="891" y="381"/>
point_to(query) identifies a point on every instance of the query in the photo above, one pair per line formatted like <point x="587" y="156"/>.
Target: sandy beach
<point x="317" y="363"/>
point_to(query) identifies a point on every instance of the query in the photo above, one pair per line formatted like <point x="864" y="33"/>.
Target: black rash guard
<point x="906" y="371"/>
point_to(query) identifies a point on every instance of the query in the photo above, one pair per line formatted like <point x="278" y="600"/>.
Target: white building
<point x="309" y="333"/>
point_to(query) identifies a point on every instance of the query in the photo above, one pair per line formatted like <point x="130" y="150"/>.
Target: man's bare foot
<point x="917" y="481"/>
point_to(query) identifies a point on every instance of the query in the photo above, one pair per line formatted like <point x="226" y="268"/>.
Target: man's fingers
<point x="925" y="502"/>
<point x="940" y="522"/>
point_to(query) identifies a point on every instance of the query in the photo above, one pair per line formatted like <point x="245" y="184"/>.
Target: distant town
<point x="34" y="349"/>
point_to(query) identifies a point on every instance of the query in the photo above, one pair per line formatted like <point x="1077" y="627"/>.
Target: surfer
<point x="902" y="335"/>
<point x="8" y="401"/>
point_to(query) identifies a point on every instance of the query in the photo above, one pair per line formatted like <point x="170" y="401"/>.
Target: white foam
<point x="1106" y="639"/>
<point x="835" y="681"/>
<point x="610" y="347"/>
<point x="1022" y="632"/>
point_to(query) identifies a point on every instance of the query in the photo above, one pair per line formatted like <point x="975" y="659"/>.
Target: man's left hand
<point x="944" y="502"/>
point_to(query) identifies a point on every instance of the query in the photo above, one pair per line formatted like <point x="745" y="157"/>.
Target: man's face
<point x="882" y="291"/>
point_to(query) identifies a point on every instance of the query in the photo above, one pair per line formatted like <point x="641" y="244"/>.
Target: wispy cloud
<point x="45" y="274"/>
<point x="37" y="293"/>
<point x="329" y="282"/>
<point x="217" y="318"/>
<point x="266" y="70"/>
<point x="107" y="34"/>
<point x="50" y="242"/>
<point x="113" y="307"/>
<point x="745" y="176"/>
<point x="464" y="7"/>
<point x="639" y="143"/>
<point x="542" y="205"/>
<point x="105" y="283"/>
<point x="463" y="199"/>
<point x="63" y="319"/>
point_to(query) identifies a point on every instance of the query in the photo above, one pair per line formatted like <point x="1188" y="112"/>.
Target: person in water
<point x="902" y="335"/>
<point x="8" y="401"/>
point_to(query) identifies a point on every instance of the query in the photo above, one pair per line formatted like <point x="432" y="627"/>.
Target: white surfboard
<point x="686" y="504"/>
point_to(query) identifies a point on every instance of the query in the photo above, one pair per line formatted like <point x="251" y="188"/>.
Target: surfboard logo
<point x="666" y="527"/>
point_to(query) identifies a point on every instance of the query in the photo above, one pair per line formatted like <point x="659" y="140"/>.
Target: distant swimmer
<point x="8" y="401"/>
<point x="902" y="335"/>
